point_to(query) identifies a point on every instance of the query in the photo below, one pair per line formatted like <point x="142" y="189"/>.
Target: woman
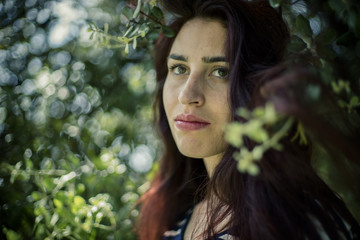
<point x="224" y="54"/>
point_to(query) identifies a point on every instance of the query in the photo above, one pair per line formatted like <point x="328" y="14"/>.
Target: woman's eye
<point x="178" y="69"/>
<point x="221" y="73"/>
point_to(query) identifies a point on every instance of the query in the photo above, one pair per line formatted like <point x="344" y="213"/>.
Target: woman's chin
<point x="191" y="153"/>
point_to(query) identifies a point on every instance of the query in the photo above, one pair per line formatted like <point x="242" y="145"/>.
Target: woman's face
<point x="196" y="90"/>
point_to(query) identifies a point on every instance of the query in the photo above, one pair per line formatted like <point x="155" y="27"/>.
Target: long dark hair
<point x="287" y="200"/>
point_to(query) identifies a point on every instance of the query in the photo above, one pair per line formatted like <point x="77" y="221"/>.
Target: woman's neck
<point x="211" y="163"/>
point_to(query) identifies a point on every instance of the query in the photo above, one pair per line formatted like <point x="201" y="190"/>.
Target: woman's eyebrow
<point x="178" y="57"/>
<point x="214" y="59"/>
<point x="204" y="59"/>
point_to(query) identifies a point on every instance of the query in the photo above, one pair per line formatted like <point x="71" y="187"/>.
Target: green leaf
<point x="13" y="177"/>
<point x="128" y="12"/>
<point x="253" y="125"/>
<point x="58" y="203"/>
<point x="54" y="219"/>
<point x="29" y="164"/>
<point x="167" y="31"/>
<point x="156" y="12"/>
<point x="326" y="36"/>
<point x="257" y="152"/>
<point x="325" y="52"/>
<point x="243" y="112"/>
<point x="137" y="10"/>
<point x="253" y="170"/>
<point x="303" y="26"/>
<point x="106" y="28"/>
<point x="152" y="2"/>
<point x="147" y="8"/>
<point x="337" y="6"/>
<point x="126" y="48"/>
<point x="143" y="29"/>
<point x="3" y="113"/>
<point x="259" y="112"/>
<point x="36" y="195"/>
<point x="135" y="31"/>
<point x="354" y="101"/>
<point x="258" y="135"/>
<point x="277" y="147"/>
<point x="134" y="43"/>
<point x="270" y="115"/>
<point x="63" y="197"/>
<point x="342" y="103"/>
<point x="340" y="86"/>
<point x="275" y="3"/>
<point x="128" y="31"/>
<point x="80" y="188"/>
<point x="11" y="235"/>
<point x="79" y="201"/>
<point x="92" y="26"/>
<point x="296" y="45"/>
<point x="233" y="134"/>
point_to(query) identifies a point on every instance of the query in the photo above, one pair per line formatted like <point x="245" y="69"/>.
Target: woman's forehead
<point x="200" y="37"/>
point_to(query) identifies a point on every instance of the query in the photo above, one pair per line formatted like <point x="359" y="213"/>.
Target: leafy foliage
<point x="75" y="127"/>
<point x="255" y="128"/>
<point x="76" y="141"/>
<point x="326" y="37"/>
<point x="141" y="20"/>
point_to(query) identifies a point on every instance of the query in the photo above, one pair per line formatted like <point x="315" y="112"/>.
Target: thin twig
<point x="151" y="18"/>
<point x="133" y="7"/>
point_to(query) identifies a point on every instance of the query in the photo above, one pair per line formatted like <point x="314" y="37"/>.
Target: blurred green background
<point x="75" y="123"/>
<point x="77" y="147"/>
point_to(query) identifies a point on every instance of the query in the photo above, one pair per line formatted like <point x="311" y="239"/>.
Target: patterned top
<point x="177" y="233"/>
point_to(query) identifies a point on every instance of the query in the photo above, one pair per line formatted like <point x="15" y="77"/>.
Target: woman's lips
<point x="188" y="122"/>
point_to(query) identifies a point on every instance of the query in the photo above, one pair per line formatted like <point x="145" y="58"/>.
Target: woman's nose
<point x="192" y="91"/>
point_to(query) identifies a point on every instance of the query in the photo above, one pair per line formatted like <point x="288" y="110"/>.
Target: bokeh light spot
<point x="31" y="14"/>
<point x="34" y="66"/>
<point x="141" y="159"/>
<point x="38" y="42"/>
<point x="7" y="78"/>
<point x="43" y="16"/>
<point x="59" y="59"/>
<point x="28" y="87"/>
<point x="57" y="109"/>
<point x="30" y="3"/>
<point x="61" y="34"/>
